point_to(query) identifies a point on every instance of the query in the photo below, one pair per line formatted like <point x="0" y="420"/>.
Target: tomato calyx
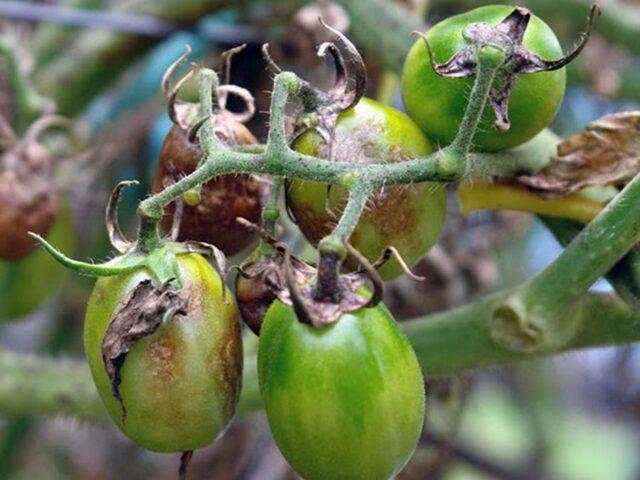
<point x="185" y="115"/>
<point x="508" y="37"/>
<point x="320" y="109"/>
<point x="149" y="305"/>
<point x="160" y="258"/>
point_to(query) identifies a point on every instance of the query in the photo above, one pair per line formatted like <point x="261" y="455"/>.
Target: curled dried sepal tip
<point x="318" y="311"/>
<point x="344" y="94"/>
<point x="508" y="35"/>
<point x="119" y="242"/>
<point x="392" y="252"/>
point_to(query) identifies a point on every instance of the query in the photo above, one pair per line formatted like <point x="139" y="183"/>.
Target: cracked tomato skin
<point x="181" y="384"/>
<point x="437" y="104"/>
<point x="345" y="401"/>
<point x="408" y="217"/>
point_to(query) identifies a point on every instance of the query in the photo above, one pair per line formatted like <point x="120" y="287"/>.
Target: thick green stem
<point x="541" y="314"/>
<point x="625" y="276"/>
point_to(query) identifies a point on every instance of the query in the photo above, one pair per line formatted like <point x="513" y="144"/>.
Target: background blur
<point x="571" y="417"/>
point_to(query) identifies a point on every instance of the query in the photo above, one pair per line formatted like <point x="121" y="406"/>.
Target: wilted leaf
<point x="606" y="153"/>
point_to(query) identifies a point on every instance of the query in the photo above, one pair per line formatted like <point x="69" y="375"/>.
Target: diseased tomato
<point x="437" y="104"/>
<point x="30" y="283"/>
<point x="343" y="401"/>
<point x="222" y="199"/>
<point x="408" y="217"/>
<point x="28" y="199"/>
<point x="179" y="384"/>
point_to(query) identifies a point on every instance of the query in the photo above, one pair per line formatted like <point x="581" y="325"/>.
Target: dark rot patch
<point x="223" y="199"/>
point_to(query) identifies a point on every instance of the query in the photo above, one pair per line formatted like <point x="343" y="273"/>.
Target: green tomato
<point x="345" y="401"/>
<point x="408" y="217"/>
<point x="28" y="284"/>
<point x="181" y="384"/>
<point x="437" y="104"/>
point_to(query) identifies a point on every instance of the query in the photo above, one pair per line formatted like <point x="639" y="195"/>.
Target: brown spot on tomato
<point x="165" y="363"/>
<point x="225" y="360"/>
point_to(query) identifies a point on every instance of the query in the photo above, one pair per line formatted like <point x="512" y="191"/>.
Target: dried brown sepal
<point x="392" y="252"/>
<point x="225" y="63"/>
<point x="259" y="279"/>
<point x="185" y="460"/>
<point x="344" y="94"/>
<point x="301" y="294"/>
<point x="179" y="112"/>
<point x="116" y="237"/>
<point x="606" y="153"/>
<point x="508" y="35"/>
<point x="139" y="315"/>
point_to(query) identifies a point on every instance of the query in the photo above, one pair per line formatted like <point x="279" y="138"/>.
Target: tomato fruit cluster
<point x="342" y="387"/>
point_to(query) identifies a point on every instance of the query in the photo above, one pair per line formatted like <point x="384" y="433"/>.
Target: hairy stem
<point x="625" y="276"/>
<point x="541" y="313"/>
<point x="278" y="159"/>
<point x="358" y="196"/>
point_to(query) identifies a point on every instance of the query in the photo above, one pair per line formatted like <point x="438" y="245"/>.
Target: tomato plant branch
<point x="541" y="313"/>
<point x="278" y="159"/>
<point x="624" y="276"/>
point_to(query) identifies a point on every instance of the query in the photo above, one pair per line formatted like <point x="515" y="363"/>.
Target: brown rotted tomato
<point x="28" y="201"/>
<point x="222" y="199"/>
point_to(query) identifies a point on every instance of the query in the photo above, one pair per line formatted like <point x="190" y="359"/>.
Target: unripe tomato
<point x="437" y="104"/>
<point x="180" y="385"/>
<point x="408" y="217"/>
<point x="345" y="401"/>
<point x="28" y="284"/>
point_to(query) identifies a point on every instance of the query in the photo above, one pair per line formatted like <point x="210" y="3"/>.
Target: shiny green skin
<point x="28" y="284"/>
<point x="344" y="402"/>
<point x="408" y="217"/>
<point x="437" y="104"/>
<point x="181" y="384"/>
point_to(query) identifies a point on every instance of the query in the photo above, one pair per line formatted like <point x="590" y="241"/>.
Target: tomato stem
<point x="539" y="314"/>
